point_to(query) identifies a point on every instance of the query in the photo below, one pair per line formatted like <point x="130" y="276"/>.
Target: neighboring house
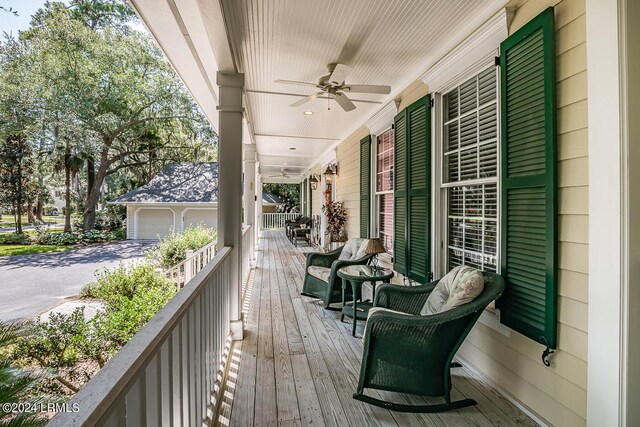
<point x="181" y="195"/>
<point x="270" y="202"/>
<point x="57" y="194"/>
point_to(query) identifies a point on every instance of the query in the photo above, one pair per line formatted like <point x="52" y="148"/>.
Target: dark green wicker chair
<point x="409" y="353"/>
<point x="329" y="287"/>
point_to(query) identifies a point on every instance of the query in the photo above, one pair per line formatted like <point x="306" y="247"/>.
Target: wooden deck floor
<point x="298" y="364"/>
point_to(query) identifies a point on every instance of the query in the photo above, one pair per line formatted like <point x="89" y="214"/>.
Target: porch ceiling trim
<point x="382" y="120"/>
<point x="465" y="58"/>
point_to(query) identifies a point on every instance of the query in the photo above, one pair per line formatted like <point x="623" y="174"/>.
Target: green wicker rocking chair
<point x="321" y="279"/>
<point x="409" y="353"/>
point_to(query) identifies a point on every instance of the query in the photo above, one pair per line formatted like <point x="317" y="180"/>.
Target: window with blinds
<point x="470" y="177"/>
<point x="384" y="188"/>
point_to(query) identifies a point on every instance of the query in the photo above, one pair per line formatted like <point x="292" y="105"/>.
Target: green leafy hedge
<point x="172" y="249"/>
<point x="92" y="236"/>
<point x="14" y="239"/>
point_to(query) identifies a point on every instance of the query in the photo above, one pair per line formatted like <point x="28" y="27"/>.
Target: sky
<point x="10" y="23"/>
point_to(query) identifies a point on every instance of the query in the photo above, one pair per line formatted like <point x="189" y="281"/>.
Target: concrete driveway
<point x="30" y="284"/>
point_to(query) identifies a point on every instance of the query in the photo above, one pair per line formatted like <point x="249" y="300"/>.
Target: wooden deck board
<point x="299" y="364"/>
<point x="287" y="401"/>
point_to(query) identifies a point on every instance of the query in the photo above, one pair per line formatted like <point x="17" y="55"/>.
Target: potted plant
<point x="336" y="215"/>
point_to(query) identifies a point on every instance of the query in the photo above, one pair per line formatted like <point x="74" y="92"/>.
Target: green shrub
<point x="18" y="385"/>
<point x="14" y="239"/>
<point x="111" y="218"/>
<point x="97" y="236"/>
<point x="172" y="248"/>
<point x="53" y="345"/>
<point x="75" y="348"/>
<point x="124" y="317"/>
<point x="93" y="236"/>
<point x="56" y="239"/>
<point x="125" y="280"/>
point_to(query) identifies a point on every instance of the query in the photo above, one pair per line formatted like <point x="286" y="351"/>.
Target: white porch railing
<point x="277" y="220"/>
<point x="181" y="273"/>
<point x="170" y="372"/>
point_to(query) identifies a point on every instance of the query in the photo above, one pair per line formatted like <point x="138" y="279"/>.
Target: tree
<point x="17" y="112"/>
<point x="16" y="171"/>
<point x="288" y="193"/>
<point x="115" y="85"/>
<point x="96" y="99"/>
<point x="9" y="9"/>
<point x="70" y="164"/>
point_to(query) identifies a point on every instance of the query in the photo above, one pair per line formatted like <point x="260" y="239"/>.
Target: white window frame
<point x="444" y="186"/>
<point x="440" y="230"/>
<point x="375" y="206"/>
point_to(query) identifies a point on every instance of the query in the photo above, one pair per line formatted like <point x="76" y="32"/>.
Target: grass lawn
<point x="8" y="220"/>
<point x="10" y="250"/>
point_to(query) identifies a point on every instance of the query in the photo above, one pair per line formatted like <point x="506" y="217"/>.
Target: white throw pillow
<point x="461" y="285"/>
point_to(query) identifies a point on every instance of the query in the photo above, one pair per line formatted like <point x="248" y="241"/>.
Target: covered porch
<point x="513" y="166"/>
<point x="298" y="364"/>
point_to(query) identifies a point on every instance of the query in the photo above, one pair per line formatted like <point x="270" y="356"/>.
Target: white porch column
<point x="258" y="208"/>
<point x="613" y="63"/>
<point x="230" y="186"/>
<point x="249" y="193"/>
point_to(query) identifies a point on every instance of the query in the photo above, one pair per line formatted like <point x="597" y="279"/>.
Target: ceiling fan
<point x="333" y="84"/>
<point x="283" y="174"/>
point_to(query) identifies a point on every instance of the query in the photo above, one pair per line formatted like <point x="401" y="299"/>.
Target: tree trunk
<point x="40" y="209"/>
<point x="19" y="200"/>
<point x="67" y="192"/>
<point x="89" y="220"/>
<point x="91" y="175"/>
<point x="30" y="217"/>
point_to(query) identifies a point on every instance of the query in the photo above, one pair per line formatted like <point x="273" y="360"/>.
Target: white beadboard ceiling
<point x="385" y="42"/>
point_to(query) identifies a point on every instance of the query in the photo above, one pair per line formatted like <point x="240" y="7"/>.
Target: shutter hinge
<point x="431" y="103"/>
<point x="497" y="61"/>
<point x="430" y="276"/>
<point x="393" y="126"/>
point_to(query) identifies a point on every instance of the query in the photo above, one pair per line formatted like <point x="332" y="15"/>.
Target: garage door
<point x="154" y="222"/>
<point x="206" y="217"/>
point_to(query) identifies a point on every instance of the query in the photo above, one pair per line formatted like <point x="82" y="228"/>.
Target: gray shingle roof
<point x="178" y="183"/>
<point x="183" y="183"/>
<point x="271" y="198"/>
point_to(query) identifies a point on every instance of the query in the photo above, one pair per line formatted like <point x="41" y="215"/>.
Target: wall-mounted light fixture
<point x="313" y="180"/>
<point x="332" y="169"/>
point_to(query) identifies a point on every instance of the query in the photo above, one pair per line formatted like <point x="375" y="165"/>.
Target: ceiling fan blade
<point x="344" y="102"/>
<point x="306" y="99"/>
<point x="295" y="82"/>
<point x="340" y="74"/>
<point x="384" y="90"/>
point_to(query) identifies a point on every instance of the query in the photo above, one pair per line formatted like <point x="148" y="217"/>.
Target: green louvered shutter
<point x="529" y="227"/>
<point x="418" y="189"/>
<point x="365" y="186"/>
<point x="309" y="199"/>
<point x="400" y="193"/>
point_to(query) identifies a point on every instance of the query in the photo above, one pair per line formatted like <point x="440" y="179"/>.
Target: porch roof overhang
<point x="388" y="43"/>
